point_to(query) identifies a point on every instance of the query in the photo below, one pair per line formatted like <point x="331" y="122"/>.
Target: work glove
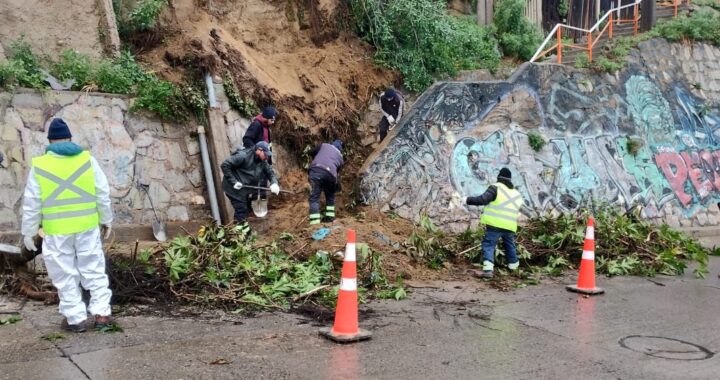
<point x="29" y="243"/>
<point x="237" y="185"/>
<point x="275" y="189"/>
<point x="457" y="201"/>
<point x="106" y="230"/>
<point x="391" y="119"/>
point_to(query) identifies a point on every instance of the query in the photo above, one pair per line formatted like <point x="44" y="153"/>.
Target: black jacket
<point x="254" y="134"/>
<point x="246" y="167"/>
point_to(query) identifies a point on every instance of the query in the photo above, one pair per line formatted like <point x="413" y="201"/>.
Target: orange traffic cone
<point x="586" y="279"/>
<point x="346" y="327"/>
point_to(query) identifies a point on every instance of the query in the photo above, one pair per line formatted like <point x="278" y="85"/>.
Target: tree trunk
<point x="647" y="10"/>
<point x="485" y="12"/>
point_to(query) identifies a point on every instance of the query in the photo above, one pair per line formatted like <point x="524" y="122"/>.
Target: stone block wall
<point x="134" y="151"/>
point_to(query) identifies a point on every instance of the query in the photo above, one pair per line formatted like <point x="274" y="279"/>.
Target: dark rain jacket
<point x="256" y="132"/>
<point x="488" y="196"/>
<point x="246" y="167"/>
<point x="327" y="157"/>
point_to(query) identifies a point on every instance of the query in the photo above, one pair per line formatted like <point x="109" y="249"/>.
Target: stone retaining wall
<point x="131" y="149"/>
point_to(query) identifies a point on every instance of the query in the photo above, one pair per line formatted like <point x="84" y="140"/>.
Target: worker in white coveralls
<point x="68" y="195"/>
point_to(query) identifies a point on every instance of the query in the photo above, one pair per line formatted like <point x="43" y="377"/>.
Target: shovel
<point x="260" y="206"/>
<point x="158" y="227"/>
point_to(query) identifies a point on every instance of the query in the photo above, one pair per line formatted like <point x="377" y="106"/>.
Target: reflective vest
<point x="67" y="193"/>
<point x="504" y="211"/>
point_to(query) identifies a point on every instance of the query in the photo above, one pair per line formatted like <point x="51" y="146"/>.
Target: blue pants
<point x="490" y="241"/>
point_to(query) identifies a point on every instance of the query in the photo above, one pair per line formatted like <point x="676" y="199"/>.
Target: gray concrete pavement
<point x="667" y="328"/>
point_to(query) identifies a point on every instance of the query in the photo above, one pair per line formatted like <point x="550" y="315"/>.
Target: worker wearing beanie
<point x="259" y="128"/>
<point x="69" y="196"/>
<point x="324" y="177"/>
<point x="391" y="105"/>
<point x="502" y="208"/>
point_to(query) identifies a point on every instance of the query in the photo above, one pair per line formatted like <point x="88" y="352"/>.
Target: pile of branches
<point x="625" y="244"/>
<point x="223" y="267"/>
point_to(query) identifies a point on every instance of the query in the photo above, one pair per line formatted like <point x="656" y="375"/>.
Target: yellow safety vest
<point x="504" y="211"/>
<point x="67" y="193"/>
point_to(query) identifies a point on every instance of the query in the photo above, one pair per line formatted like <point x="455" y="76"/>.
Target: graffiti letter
<point x="676" y="174"/>
<point x="695" y="172"/>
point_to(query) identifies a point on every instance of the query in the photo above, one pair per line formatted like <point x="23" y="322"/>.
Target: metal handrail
<point x="557" y="30"/>
<point x="588" y="31"/>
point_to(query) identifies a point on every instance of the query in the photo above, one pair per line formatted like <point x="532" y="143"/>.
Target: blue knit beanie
<point x="338" y="144"/>
<point x="269" y="112"/>
<point x="58" y="130"/>
<point x="389" y="93"/>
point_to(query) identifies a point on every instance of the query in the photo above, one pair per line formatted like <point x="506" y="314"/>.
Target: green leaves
<point x="422" y="41"/>
<point x="625" y="244"/>
<point x="701" y="26"/>
<point x="10" y="320"/>
<point x="518" y="36"/>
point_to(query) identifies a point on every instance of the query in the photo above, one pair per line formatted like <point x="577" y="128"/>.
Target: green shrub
<point x="161" y="97"/>
<point x="702" y="26"/>
<point x="10" y="73"/>
<point x="145" y="14"/>
<point x="26" y="65"/>
<point x="536" y="141"/>
<point x="517" y="35"/>
<point x="582" y="61"/>
<point x="73" y="65"/>
<point x="421" y="40"/>
<point x="245" y="106"/>
<point x="609" y="65"/>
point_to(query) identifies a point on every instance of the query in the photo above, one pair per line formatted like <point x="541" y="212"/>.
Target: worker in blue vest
<point x="502" y="208"/>
<point x="68" y="194"/>
<point x="324" y="178"/>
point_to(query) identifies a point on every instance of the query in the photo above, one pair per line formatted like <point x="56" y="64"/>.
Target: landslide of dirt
<point x="297" y="55"/>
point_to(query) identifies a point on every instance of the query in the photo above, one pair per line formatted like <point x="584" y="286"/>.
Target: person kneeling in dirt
<point x="391" y="105"/>
<point x="247" y="167"/>
<point x="324" y="175"/>
<point x="68" y="194"/>
<point x="500" y="216"/>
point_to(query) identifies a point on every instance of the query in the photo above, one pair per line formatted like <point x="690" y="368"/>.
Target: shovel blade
<point x="159" y="231"/>
<point x="259" y="207"/>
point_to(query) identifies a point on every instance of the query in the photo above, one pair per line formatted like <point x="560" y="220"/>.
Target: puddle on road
<point x="665" y="348"/>
<point x="344" y="362"/>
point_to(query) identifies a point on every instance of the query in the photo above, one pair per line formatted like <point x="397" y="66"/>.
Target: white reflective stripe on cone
<point x="590" y="233"/>
<point x="350" y="252"/>
<point x="348" y="284"/>
<point x="588" y="255"/>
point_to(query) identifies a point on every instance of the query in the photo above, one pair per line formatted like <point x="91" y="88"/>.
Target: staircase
<point x="622" y="30"/>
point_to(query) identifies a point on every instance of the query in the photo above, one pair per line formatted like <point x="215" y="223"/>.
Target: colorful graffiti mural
<point x="458" y="136"/>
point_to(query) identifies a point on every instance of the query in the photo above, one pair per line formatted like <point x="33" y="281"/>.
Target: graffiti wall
<point x="628" y="139"/>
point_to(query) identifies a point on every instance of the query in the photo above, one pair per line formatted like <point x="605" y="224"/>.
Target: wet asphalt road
<point x="663" y="328"/>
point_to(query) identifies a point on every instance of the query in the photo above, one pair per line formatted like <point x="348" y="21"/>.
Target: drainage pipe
<point x="211" y="90"/>
<point x="208" y="175"/>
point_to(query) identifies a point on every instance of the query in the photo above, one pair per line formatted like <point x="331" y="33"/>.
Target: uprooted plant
<point x="222" y="267"/>
<point x="625" y="244"/>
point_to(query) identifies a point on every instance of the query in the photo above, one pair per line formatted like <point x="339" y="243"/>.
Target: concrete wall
<point x="130" y="148"/>
<point x="459" y="134"/>
<point x="87" y="26"/>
